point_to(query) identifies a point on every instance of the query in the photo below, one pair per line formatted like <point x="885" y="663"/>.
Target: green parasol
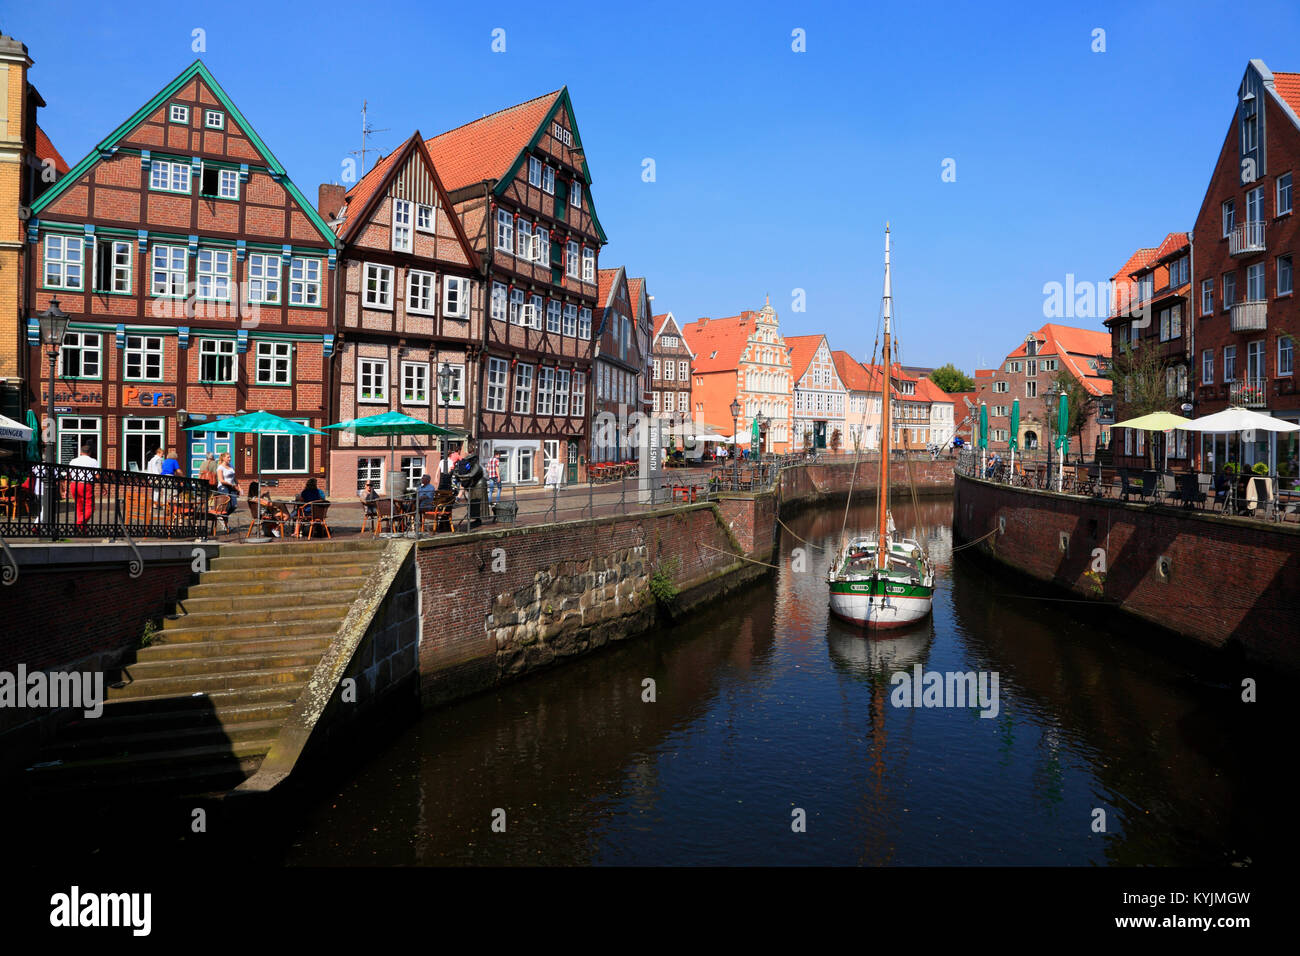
<point x="1015" y="424"/>
<point x="984" y="425"/>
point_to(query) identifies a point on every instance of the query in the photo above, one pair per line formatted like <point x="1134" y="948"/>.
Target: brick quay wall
<point x="503" y="602"/>
<point x="1228" y="583"/>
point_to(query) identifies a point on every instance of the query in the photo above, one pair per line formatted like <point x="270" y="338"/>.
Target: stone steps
<point x="201" y="707"/>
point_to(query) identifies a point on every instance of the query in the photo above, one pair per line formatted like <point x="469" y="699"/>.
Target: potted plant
<point x="1260" y="468"/>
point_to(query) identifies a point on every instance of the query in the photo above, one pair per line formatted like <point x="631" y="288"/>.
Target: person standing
<point x="83" y="488"/>
<point x="492" y="472"/>
<point x="227" y="485"/>
<point x="154" y="465"/>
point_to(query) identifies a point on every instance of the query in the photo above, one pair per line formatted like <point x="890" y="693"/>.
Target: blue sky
<point x="774" y="170"/>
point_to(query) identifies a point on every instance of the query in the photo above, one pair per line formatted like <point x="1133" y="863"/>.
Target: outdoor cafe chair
<point x="313" y="513"/>
<point x="439" y="511"/>
<point x="219" y="510"/>
<point x="393" y="511"/>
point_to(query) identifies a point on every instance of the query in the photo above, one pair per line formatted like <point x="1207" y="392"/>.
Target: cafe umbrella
<point x="984" y="437"/>
<point x="1236" y="419"/>
<point x="1015" y="431"/>
<point x="1155" y="422"/>
<point x="260" y="424"/>
<point x="393" y="424"/>
<point x="1063" y="433"/>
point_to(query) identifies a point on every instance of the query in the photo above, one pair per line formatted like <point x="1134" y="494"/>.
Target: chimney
<point x="329" y="200"/>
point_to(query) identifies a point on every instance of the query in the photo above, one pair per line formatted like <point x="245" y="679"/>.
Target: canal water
<point x="1106" y="748"/>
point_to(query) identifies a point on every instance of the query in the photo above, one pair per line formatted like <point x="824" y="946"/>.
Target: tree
<point x="1138" y="384"/>
<point x="1078" y="399"/>
<point x="952" y="379"/>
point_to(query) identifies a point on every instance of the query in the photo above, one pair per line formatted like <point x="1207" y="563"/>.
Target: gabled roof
<point x="719" y="343"/>
<point x="636" y="295"/>
<point x="1074" y="347"/>
<point x="801" y="348"/>
<point x="607" y="282"/>
<point x="44" y="150"/>
<point x="198" y="69"/>
<point x="896" y="374"/>
<point x="662" y="323"/>
<point x="366" y="194"/>
<point x="491" y="148"/>
<point x="1171" y="245"/>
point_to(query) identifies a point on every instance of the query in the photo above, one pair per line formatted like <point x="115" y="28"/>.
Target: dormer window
<point x="214" y="119"/>
<point x="179" y="114"/>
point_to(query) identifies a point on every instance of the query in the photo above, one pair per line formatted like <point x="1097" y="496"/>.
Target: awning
<point x="11" y="430"/>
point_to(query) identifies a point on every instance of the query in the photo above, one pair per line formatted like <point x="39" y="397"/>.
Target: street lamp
<point x="763" y="421"/>
<point x="444" y="388"/>
<point x="735" y="459"/>
<point x="54" y="323"/>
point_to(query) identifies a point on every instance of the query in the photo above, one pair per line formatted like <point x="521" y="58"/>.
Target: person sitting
<point x="1222" y="485"/>
<point x="273" y="516"/>
<point x="426" y="493"/>
<point x="309" y="494"/>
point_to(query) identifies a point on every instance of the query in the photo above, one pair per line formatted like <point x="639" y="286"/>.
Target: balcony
<point x="1247" y="239"/>
<point x="1249" y="392"/>
<point x="1249" y="316"/>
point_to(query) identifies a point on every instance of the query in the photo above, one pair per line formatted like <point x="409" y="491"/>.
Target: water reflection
<point x="765" y="705"/>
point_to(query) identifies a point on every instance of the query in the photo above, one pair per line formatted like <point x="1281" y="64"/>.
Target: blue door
<point x="203" y="444"/>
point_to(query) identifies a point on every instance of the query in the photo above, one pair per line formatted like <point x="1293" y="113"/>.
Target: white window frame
<point x="377" y="286"/>
<point x="457" y="397"/>
<point x="173" y="280"/>
<point x="500" y="305"/>
<point x="289" y="442"/>
<point x="553" y="312"/>
<point x="273" y="363"/>
<point x="84" y="344"/>
<point x="421" y="292"/>
<point x="535" y="313"/>
<point x="1207" y="366"/>
<point x="588" y="265"/>
<point x="264" y="278"/>
<point x="1229" y="363"/>
<point x="584" y="323"/>
<point x="515" y="309"/>
<point x="1207" y="297"/>
<point x="575" y="194"/>
<point x="1289" y="270"/>
<point x="1278" y="197"/>
<point x="1229" y="209"/>
<point x="415" y="383"/>
<point x="571" y="263"/>
<point x="505" y="231"/>
<point x="1286" y="367"/>
<point x="542" y="245"/>
<point x="372" y="378"/>
<point x="304" y="281"/>
<point x="121" y="258"/>
<point x="562" y="379"/>
<point x="143" y="350"/>
<point x="426" y="218"/>
<point x="214" y="119"/>
<point x="524" y="248"/>
<point x="403" y="228"/>
<point x="209" y="273"/>
<point x="64" y="260"/>
<point x="545" y="390"/>
<point x="1256" y="289"/>
<point x="522" y="401"/>
<point x="578" y="400"/>
<point x="371" y="468"/>
<point x="569" y="321"/>
<point x="149" y="432"/>
<point x="177" y="113"/>
<point x="497" y="376"/>
<point x="534" y="172"/>
<point x="219" y="350"/>
<point x="455" y="297"/>
<point x="167" y="176"/>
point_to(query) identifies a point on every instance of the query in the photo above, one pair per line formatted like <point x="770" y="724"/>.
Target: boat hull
<point x="880" y="604"/>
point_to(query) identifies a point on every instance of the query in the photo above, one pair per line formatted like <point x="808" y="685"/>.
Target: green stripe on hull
<point x="876" y="588"/>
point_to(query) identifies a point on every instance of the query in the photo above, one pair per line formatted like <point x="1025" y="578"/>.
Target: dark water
<point x="765" y="705"/>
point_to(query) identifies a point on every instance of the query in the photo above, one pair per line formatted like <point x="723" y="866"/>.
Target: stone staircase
<point x="202" y="705"/>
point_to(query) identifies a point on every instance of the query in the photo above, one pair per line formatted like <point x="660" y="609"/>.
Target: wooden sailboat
<point x="881" y="580"/>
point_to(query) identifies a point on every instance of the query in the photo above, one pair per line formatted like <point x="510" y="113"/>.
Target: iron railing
<point x="39" y="500"/>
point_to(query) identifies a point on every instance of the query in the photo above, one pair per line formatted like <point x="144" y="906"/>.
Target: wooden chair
<point x="218" y="510"/>
<point x="267" y="517"/>
<point x="313" y="514"/>
<point x="395" y="512"/>
<point x="439" y="511"/>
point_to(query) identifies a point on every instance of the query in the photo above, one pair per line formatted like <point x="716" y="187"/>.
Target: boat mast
<point x="882" y="495"/>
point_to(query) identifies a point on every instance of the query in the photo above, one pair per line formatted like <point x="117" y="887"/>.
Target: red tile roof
<point x="487" y="147"/>
<point x="801" y="349"/>
<point x="1288" y="87"/>
<point x="718" y="343"/>
<point x="360" y="194"/>
<point x="659" y="321"/>
<point x="634" y="289"/>
<point x="604" y="283"/>
<point x="44" y="150"/>
<point x="930" y="392"/>
<point x="1171" y="244"/>
<point x="1074" y="347"/>
<point x="852" y="373"/>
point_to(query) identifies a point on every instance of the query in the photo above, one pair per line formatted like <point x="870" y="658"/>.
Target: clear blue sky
<point x="775" y="170"/>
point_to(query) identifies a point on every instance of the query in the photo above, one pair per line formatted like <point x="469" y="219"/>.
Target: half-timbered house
<point x="519" y="181"/>
<point x="617" y="372"/>
<point x="410" y="315"/>
<point x="670" y="374"/>
<point x="198" y="282"/>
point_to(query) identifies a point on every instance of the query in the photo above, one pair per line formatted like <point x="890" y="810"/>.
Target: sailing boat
<point x="881" y="580"/>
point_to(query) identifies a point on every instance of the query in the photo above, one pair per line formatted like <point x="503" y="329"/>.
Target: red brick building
<point x="198" y="280"/>
<point x="1244" y="244"/>
<point x="411" y="302"/>
<point x="1150" y="310"/>
<point x="520" y="184"/>
<point x="1027" y="374"/>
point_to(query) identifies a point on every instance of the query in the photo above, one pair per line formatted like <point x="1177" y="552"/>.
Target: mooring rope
<point x="971" y="544"/>
<point x="732" y="554"/>
<point x="799" y="539"/>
